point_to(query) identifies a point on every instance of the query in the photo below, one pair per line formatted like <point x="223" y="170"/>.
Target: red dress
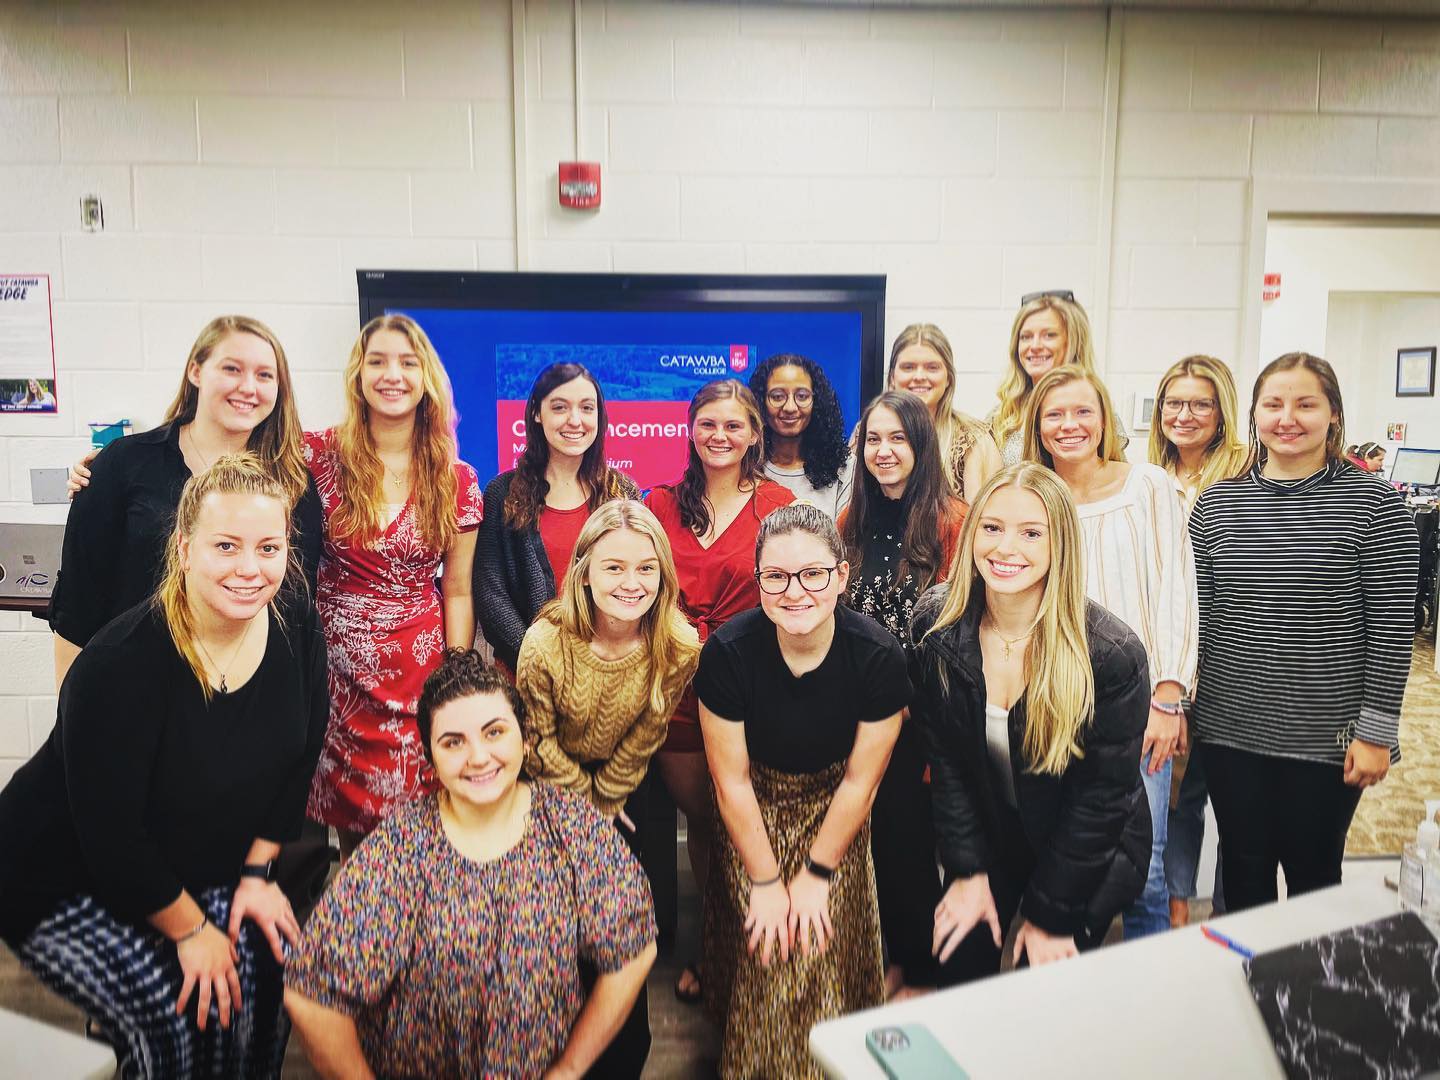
<point x="716" y="583"/>
<point x="384" y="631"/>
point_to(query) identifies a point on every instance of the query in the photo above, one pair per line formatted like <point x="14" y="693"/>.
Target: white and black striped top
<point x="1307" y="612"/>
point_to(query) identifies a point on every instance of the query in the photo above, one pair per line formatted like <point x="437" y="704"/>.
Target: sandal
<point x="689" y="997"/>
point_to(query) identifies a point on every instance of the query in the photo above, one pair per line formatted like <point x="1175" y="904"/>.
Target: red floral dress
<point x="384" y="631"/>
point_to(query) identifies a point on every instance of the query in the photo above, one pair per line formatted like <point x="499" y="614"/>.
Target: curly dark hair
<point x="463" y="673"/>
<point x="822" y="444"/>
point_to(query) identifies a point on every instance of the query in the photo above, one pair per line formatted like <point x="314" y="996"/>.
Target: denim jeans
<point x="1187" y="837"/>
<point x="1150" y="913"/>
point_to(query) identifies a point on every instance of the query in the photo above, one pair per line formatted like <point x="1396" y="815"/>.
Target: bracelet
<point x="754" y="884"/>
<point x="820" y="870"/>
<point x="1167" y="707"/>
<point x="204" y="922"/>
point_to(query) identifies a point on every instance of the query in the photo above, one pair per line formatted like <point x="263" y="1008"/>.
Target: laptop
<point x="29" y="560"/>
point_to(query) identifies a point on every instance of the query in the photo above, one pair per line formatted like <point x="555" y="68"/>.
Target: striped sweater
<point x="1307" y="602"/>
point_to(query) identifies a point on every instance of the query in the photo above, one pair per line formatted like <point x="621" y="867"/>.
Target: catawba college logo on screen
<point x="739" y="358"/>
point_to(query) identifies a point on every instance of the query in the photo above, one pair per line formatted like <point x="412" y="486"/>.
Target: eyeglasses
<point x="1199" y="407"/>
<point x="812" y="579"/>
<point x="1058" y="294"/>
<point x="778" y="397"/>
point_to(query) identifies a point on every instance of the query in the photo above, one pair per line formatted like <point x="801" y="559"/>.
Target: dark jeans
<point x="977" y="957"/>
<point x="624" y="1058"/>
<point x="1275" y="813"/>
<point x="902" y="844"/>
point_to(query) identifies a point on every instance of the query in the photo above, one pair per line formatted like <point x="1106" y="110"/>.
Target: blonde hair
<point x="1016" y="388"/>
<point x="1226" y="453"/>
<point x="360" y="514"/>
<point x="666" y="633"/>
<point x="276" y="439"/>
<point x="1059" y="679"/>
<point x="232" y="474"/>
<point x="1033" y="448"/>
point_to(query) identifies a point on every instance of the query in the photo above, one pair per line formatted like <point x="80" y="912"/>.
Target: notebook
<point x="1360" y="1002"/>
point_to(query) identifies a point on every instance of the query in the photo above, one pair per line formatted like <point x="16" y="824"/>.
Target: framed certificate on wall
<point x="1415" y="372"/>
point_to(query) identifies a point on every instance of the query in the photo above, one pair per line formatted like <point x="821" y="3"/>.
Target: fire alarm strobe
<point x="580" y="184"/>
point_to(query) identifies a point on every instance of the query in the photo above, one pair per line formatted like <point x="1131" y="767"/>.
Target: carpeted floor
<point x="1390" y="811"/>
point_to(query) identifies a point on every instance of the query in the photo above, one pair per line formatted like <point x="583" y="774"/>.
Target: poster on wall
<point x="27" y="344"/>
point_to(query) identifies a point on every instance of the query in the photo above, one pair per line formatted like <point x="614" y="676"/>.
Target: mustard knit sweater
<point x="595" y="732"/>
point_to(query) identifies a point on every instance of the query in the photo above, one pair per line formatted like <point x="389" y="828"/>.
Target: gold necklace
<point x="1007" y="643"/>
<point x="196" y="450"/>
<point x="395" y="478"/>
<point x="224" y="689"/>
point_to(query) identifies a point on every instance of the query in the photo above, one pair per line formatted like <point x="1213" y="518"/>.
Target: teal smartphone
<point x="910" y="1052"/>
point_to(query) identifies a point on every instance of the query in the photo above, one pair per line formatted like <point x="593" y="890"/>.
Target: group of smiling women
<point x="847" y="655"/>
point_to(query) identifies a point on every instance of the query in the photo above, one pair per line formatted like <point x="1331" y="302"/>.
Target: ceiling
<point x="1306" y="7"/>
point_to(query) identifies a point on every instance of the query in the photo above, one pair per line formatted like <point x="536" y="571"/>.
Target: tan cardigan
<point x="595" y="731"/>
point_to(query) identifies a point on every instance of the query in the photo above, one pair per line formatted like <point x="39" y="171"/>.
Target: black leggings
<point x="902" y="844"/>
<point x="1274" y="813"/>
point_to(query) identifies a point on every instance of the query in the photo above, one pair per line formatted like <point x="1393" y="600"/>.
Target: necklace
<point x="222" y="687"/>
<point x="1007" y="643"/>
<point x="196" y="450"/>
<point x="395" y="478"/>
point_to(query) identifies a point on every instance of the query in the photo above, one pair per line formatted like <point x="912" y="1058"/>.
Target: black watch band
<point x="258" y="870"/>
<point x="820" y="870"/>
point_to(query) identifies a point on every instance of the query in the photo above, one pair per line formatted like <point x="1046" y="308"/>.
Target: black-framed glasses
<point x="812" y="579"/>
<point x="1200" y="407"/>
<point x="777" y="397"/>
<point x="1058" y="294"/>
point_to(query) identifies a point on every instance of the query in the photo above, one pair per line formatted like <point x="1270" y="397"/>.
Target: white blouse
<point x="1139" y="566"/>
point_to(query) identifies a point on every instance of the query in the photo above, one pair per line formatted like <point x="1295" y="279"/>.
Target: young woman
<point x="451" y="944"/>
<point x="1138" y="566"/>
<point x="35" y="396"/>
<point x="1369" y="457"/>
<point x="534" y="512"/>
<point x="135" y="847"/>
<point x="800" y="703"/>
<point x="1033" y="702"/>
<point x="397" y="504"/>
<point x="234" y="394"/>
<point x="805" y="447"/>
<point x="1307" y="571"/>
<point x="712" y="516"/>
<point x="900" y="532"/>
<point x="1049" y="331"/>
<point x="922" y="362"/>
<point x="1195" y="437"/>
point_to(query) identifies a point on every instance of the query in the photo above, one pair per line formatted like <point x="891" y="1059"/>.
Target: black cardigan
<point x="512" y="579"/>
<point x="1090" y="826"/>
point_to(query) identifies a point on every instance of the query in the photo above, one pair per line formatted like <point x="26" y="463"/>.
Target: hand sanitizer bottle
<point x="1420" y="867"/>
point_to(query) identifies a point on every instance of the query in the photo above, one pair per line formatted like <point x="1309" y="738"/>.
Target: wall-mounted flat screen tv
<point x="651" y="339"/>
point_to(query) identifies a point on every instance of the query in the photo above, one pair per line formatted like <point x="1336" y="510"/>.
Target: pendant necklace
<point x="1007" y="643"/>
<point x="222" y="688"/>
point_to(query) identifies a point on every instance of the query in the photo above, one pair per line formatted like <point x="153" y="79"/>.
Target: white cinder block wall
<point x="251" y="157"/>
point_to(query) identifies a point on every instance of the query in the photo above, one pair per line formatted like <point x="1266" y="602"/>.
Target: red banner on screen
<point x="648" y="440"/>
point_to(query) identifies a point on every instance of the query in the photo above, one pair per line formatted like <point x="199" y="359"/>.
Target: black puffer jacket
<point x="1090" y="827"/>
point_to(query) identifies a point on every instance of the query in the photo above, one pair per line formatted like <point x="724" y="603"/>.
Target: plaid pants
<point x="127" y="978"/>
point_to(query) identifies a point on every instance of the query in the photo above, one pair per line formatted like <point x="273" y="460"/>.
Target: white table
<point x="1174" y="1005"/>
<point x="30" y="1048"/>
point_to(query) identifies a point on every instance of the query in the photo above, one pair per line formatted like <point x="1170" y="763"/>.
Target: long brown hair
<point x="1059" y="679"/>
<point x="1016" y="388"/>
<point x="1329" y="386"/>
<point x="925" y="507"/>
<point x="528" y="487"/>
<point x="666" y="633"/>
<point x="690" y="493"/>
<point x="360" y="513"/>
<point x="232" y="474"/>
<point x="1225" y="454"/>
<point x="276" y="439"/>
<point x="1034" y="448"/>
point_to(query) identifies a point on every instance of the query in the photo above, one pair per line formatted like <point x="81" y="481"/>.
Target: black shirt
<point x="143" y="789"/>
<point x="873" y="589"/>
<point x="804" y="724"/>
<point x="119" y="526"/>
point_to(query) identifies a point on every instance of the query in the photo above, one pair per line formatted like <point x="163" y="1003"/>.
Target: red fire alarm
<point x="580" y="184"/>
<point x="1270" y="289"/>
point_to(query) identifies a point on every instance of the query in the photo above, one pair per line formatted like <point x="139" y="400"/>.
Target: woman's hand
<point x="79" y="475"/>
<point x="622" y="821"/>
<point x="966" y="903"/>
<point x="1366" y="763"/>
<point x="1042" y="948"/>
<point x="767" y="921"/>
<point x="266" y="906"/>
<point x="810" y="910"/>
<point x="208" y="961"/>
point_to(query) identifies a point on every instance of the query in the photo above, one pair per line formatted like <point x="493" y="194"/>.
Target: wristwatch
<point x="820" y="870"/>
<point x="262" y="870"/>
